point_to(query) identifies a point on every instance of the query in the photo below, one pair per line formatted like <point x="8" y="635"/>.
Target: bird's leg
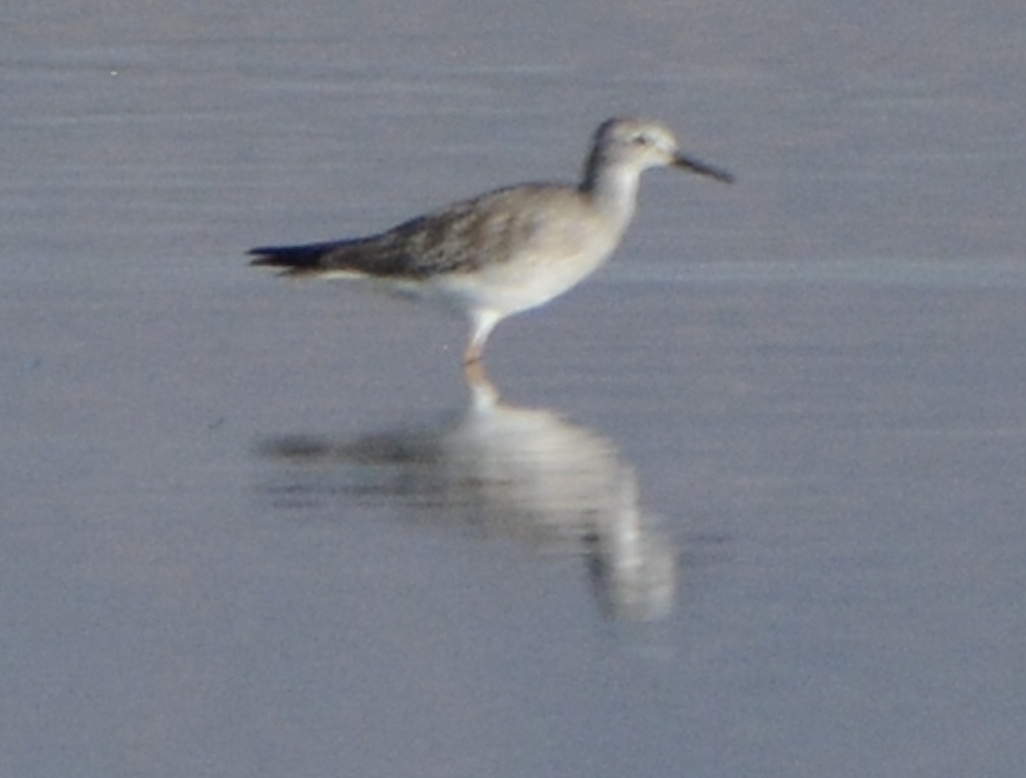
<point x="482" y="322"/>
<point x="472" y="354"/>
<point x="482" y="391"/>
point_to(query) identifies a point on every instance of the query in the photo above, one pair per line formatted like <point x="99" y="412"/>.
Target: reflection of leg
<point x="482" y="391"/>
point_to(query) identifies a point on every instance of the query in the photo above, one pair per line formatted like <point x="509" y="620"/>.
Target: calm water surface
<point x="751" y="502"/>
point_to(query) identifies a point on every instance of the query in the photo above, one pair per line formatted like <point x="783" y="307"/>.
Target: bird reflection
<point x="515" y="472"/>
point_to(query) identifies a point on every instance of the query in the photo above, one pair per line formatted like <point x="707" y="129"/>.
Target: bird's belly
<point x="524" y="282"/>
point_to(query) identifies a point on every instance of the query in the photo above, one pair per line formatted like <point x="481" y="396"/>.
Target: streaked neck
<point x="612" y="187"/>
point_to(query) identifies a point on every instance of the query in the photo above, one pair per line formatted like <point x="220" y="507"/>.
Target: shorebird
<point x="510" y="249"/>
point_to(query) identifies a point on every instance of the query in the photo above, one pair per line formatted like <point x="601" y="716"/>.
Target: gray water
<point x="752" y="503"/>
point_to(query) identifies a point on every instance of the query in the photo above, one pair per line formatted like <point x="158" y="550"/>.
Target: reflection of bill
<point x="517" y="472"/>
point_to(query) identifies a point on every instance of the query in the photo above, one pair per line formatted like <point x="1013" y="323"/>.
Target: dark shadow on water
<point x="523" y="473"/>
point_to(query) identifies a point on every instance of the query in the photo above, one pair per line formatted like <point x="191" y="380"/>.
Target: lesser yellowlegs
<point x="511" y="249"/>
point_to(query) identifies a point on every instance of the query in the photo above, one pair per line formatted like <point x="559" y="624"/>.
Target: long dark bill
<point x="695" y="166"/>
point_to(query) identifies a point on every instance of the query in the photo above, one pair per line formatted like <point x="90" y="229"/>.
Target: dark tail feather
<point x="293" y="259"/>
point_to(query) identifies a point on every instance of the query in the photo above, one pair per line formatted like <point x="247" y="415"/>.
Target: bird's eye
<point x="641" y="139"/>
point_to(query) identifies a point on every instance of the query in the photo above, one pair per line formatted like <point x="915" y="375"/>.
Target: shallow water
<point x="751" y="502"/>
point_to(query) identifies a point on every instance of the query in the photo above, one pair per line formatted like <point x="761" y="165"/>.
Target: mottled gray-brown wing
<point x="455" y="239"/>
<point x="489" y="229"/>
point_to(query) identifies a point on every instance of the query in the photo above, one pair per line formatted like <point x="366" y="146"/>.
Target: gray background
<point x="814" y="380"/>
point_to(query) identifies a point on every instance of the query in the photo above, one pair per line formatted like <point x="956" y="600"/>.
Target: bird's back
<point x="489" y="230"/>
